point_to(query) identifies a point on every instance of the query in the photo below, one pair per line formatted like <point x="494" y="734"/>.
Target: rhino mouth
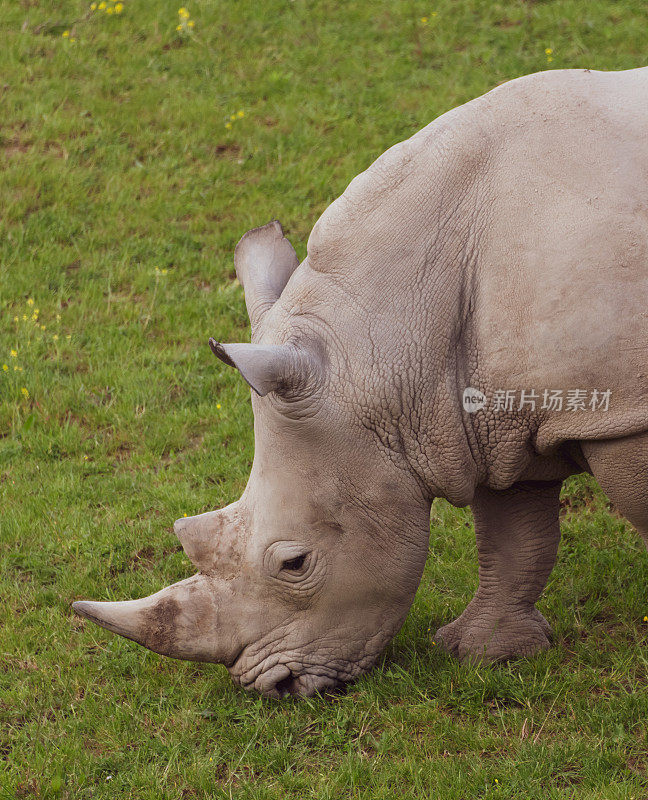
<point x="308" y="685"/>
<point x="280" y="682"/>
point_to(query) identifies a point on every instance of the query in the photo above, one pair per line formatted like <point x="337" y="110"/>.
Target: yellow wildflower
<point x="55" y="337"/>
<point x="109" y="10"/>
<point x="228" y="125"/>
<point x="191" y="23"/>
<point x="5" y="367"/>
<point x="119" y="7"/>
<point x="14" y="354"/>
<point x="232" y="117"/>
<point x="93" y="6"/>
<point x="184" y="515"/>
<point x="424" y="20"/>
<point x="65" y="35"/>
<point x="645" y="619"/>
<point x="15" y="319"/>
<point x="240" y="114"/>
<point x="549" y="59"/>
<point x="17" y="369"/>
<point x="178" y="27"/>
<point x="548" y="51"/>
<point x="182" y="12"/>
<point x="24" y="392"/>
<point x="30" y="301"/>
<point x="24" y="317"/>
<point x="69" y="336"/>
<point x="72" y="38"/>
<point x="101" y="6"/>
<point x="42" y="327"/>
<point x="218" y="405"/>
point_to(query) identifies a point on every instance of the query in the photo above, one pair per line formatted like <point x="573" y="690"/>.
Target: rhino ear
<point x="264" y="261"/>
<point x="267" y="368"/>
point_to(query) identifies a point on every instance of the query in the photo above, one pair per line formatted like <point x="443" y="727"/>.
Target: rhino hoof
<point x="483" y="635"/>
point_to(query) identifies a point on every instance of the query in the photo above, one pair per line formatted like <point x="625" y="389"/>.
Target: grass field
<point x="133" y="158"/>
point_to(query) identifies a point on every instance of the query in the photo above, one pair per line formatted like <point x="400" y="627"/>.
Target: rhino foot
<point x="484" y="633"/>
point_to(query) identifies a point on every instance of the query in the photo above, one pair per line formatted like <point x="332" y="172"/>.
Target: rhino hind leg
<point x="517" y="539"/>
<point x="621" y="468"/>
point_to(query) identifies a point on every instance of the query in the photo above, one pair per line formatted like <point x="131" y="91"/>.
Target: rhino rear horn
<point x="210" y="540"/>
<point x="264" y="261"/>
<point x="267" y="368"/>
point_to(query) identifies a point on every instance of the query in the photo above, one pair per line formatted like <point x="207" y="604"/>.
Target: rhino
<point x="475" y="274"/>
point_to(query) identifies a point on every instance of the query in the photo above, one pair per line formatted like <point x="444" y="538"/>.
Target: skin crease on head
<point x="499" y="247"/>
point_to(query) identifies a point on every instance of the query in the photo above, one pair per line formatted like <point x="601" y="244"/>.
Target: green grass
<point x="116" y="160"/>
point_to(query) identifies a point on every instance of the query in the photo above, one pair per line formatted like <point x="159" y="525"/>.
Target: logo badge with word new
<point x="473" y="400"/>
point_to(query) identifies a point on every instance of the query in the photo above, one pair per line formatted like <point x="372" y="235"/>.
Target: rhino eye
<point x="294" y="564"/>
<point x="289" y="561"/>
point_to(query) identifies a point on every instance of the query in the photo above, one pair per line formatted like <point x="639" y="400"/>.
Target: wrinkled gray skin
<point x="504" y="246"/>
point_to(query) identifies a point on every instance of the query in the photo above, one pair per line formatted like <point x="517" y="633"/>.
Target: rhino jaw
<point x="181" y="621"/>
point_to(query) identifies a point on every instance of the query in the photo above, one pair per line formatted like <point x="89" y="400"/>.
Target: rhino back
<point x="562" y="284"/>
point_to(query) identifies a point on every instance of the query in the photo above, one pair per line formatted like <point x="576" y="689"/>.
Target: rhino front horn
<point x="181" y="621"/>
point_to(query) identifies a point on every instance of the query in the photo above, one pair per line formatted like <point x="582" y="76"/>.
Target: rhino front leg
<point x="517" y="538"/>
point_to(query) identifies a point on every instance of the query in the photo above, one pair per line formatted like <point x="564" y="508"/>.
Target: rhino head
<point x="303" y="581"/>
